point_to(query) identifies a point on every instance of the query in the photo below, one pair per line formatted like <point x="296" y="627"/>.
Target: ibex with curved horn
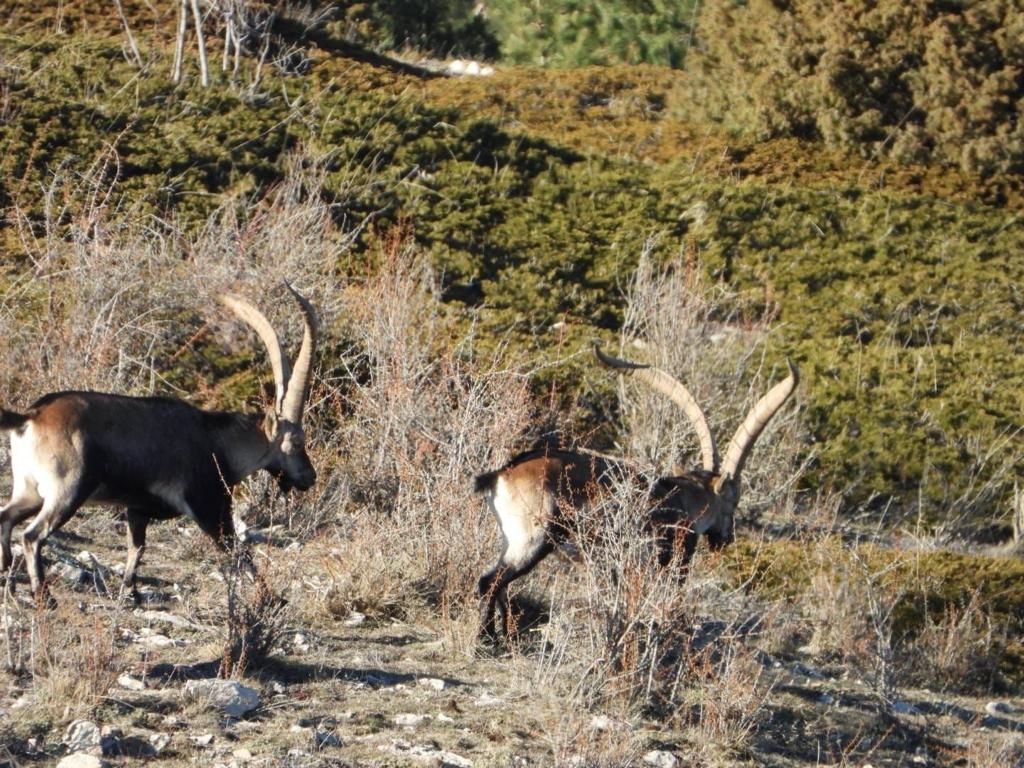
<point x="535" y="494"/>
<point x="159" y="457"/>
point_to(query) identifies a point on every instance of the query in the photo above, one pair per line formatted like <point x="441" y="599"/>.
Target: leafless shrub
<point x="256" y="617"/>
<point x="422" y="416"/>
<point x="696" y="330"/>
<point x="97" y="273"/>
<point x="849" y="606"/>
<point x="995" y="750"/>
<point x="71" y="656"/>
<point x="576" y="738"/>
<point x="628" y="633"/>
<point x="728" y="694"/>
<point x="959" y="651"/>
<point x="631" y="614"/>
<point x="122" y="290"/>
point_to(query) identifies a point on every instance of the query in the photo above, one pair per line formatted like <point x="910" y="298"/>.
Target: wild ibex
<point x="535" y="495"/>
<point x="157" y="456"/>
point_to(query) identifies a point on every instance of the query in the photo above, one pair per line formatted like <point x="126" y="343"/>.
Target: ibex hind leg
<point x="57" y="509"/>
<point x="487" y="589"/>
<point x="13" y="513"/>
<point x="494" y="589"/>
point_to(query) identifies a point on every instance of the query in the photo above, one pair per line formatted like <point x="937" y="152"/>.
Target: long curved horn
<point x="661" y="381"/>
<point x="262" y="326"/>
<point x="298" y="384"/>
<point x="748" y="432"/>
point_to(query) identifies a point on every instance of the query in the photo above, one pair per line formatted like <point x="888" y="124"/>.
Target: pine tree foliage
<point x="918" y="80"/>
<point x="580" y="32"/>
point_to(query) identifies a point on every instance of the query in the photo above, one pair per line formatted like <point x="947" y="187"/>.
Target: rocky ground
<point x="100" y="682"/>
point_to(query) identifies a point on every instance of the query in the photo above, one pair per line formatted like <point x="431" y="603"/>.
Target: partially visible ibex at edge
<point x="535" y="494"/>
<point x="159" y="457"/>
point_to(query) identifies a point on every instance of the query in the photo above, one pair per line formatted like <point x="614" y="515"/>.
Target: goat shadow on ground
<point x="290" y="672"/>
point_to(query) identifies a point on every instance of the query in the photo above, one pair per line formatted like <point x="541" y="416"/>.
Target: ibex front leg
<point x="137" y="523"/>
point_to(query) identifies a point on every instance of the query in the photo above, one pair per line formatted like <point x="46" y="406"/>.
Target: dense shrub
<point x="919" y="80"/>
<point x="574" y="33"/>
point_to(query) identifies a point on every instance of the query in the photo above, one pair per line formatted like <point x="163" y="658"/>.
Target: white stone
<point x="130" y="683"/>
<point x="72" y="574"/>
<point x="436" y="756"/>
<point x="659" y="758"/>
<point x="167" y="618"/>
<point x="83" y="736"/>
<point x="410" y="720"/>
<point x="202" y="740"/>
<point x="88" y="559"/>
<point x="488" y="700"/>
<point x="229" y="696"/>
<point x="159" y="741"/>
<point x="81" y="760"/>
<point x="602" y="723"/>
<point x="355" y="619"/>
<point x="432" y="682"/>
<point x="998" y="708"/>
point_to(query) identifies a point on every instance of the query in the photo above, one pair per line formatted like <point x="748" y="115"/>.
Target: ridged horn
<point x="298" y="384"/>
<point x="672" y="388"/>
<point x="743" y="441"/>
<point x="278" y="362"/>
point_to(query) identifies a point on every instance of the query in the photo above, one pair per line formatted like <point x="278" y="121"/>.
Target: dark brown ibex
<point x="536" y="494"/>
<point x="157" y="456"/>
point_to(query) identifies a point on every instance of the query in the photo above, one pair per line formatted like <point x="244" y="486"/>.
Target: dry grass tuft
<point x="71" y="657"/>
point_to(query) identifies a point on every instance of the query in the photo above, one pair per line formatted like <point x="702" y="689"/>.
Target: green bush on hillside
<point x="573" y="33"/>
<point x="918" y="80"/>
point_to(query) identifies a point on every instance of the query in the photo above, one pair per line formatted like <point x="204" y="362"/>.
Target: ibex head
<point x="283" y="425"/>
<point x="720" y="478"/>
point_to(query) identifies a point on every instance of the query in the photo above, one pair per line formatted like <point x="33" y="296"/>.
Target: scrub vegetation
<point x="747" y="182"/>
